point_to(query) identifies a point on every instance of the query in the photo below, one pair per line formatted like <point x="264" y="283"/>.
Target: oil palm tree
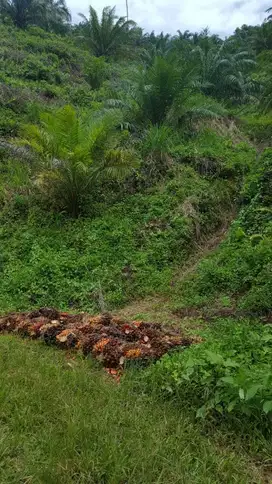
<point x="266" y="97"/>
<point x="56" y="15"/>
<point x="75" y="152"/>
<point x="109" y="35"/>
<point x="157" y="46"/>
<point x="269" y="18"/>
<point x="21" y="12"/>
<point x="223" y="74"/>
<point x="166" y="93"/>
<point x="48" y="14"/>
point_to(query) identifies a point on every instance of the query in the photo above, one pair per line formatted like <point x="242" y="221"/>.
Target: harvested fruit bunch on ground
<point x="111" y="340"/>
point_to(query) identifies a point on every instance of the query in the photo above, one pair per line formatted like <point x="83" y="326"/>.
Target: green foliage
<point x="96" y="72"/>
<point x="258" y="38"/>
<point x="156" y="147"/>
<point x="131" y="250"/>
<point x="109" y="35"/>
<point x="241" y="267"/>
<point x="229" y="373"/>
<point x="73" y="126"/>
<point x="76" y="151"/>
<point x="225" y="74"/>
<point x="8" y="122"/>
<point x="259" y="128"/>
<point x="159" y="88"/>
<point x="46" y="69"/>
<point x="213" y="155"/>
<point x="166" y="92"/>
<point x="49" y="14"/>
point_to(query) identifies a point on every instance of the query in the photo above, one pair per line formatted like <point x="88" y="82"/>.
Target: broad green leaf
<point x="231" y="405"/>
<point x="189" y="363"/>
<point x="252" y="391"/>
<point x="241" y="394"/>
<point x="267" y="406"/>
<point x="214" y="358"/>
<point x="228" y="379"/>
<point x="202" y="411"/>
<point x="230" y="363"/>
<point x="267" y="337"/>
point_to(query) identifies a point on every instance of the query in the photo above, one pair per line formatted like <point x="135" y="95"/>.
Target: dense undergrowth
<point x="127" y="252"/>
<point x="117" y="161"/>
<point x="239" y="271"/>
<point x="231" y="371"/>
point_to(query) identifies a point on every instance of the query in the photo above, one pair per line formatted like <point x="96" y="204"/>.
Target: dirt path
<point x="158" y="308"/>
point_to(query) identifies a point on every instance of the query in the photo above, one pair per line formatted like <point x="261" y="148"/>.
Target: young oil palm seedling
<point x="76" y="153"/>
<point x="167" y="92"/>
<point x="156" y="148"/>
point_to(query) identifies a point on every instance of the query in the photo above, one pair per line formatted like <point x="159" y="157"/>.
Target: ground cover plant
<point x="223" y="377"/>
<point x="135" y="182"/>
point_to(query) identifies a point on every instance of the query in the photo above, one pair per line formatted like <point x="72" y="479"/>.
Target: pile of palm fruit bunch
<point x="109" y="339"/>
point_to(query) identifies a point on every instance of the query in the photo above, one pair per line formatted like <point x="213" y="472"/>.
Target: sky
<point x="221" y="16"/>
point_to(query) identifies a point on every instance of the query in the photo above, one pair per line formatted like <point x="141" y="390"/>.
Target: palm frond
<point x="75" y="150"/>
<point x="108" y="35"/>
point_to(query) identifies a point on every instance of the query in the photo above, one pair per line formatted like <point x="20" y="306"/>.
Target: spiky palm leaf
<point x="48" y="14"/>
<point x="156" y="89"/>
<point x="75" y="151"/>
<point x="22" y="12"/>
<point x="160" y="87"/>
<point x="55" y="15"/>
<point x="108" y="35"/>
<point x="266" y="98"/>
<point x="189" y="107"/>
<point x="269" y="18"/>
<point x="222" y="74"/>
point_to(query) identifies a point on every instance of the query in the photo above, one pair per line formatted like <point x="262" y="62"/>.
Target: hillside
<point x="136" y="179"/>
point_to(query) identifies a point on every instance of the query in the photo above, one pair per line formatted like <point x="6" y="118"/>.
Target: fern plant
<point x="76" y="152"/>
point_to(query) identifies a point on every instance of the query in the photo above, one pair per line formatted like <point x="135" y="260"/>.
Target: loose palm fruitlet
<point x="111" y="340"/>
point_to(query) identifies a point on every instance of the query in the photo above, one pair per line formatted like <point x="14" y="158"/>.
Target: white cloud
<point x="158" y="15"/>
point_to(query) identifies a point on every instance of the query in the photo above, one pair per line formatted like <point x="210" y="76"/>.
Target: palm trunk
<point x="127" y="8"/>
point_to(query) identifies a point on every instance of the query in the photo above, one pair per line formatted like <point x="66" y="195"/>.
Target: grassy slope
<point x="38" y="71"/>
<point x="64" y="263"/>
<point x="68" y="423"/>
<point x="62" y="421"/>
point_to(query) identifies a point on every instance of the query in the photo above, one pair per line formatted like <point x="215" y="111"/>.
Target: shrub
<point x="241" y="267"/>
<point x="259" y="128"/>
<point x="76" y="151"/>
<point x="130" y="249"/>
<point x="96" y="71"/>
<point x="214" y="155"/>
<point x="9" y="122"/>
<point x="229" y="373"/>
<point x="156" y="147"/>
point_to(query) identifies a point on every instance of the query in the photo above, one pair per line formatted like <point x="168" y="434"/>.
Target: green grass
<point x="64" y="421"/>
<point x="63" y="263"/>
